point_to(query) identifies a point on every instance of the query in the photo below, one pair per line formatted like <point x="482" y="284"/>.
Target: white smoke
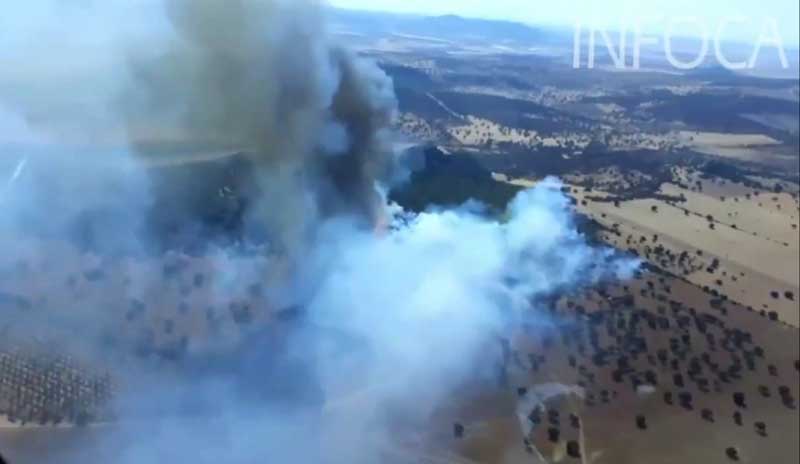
<point x="431" y="294"/>
<point x="396" y="324"/>
<point x="385" y="326"/>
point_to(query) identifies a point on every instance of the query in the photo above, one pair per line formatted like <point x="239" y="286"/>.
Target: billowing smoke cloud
<point x="311" y="337"/>
<point x="435" y="291"/>
<point x="260" y="77"/>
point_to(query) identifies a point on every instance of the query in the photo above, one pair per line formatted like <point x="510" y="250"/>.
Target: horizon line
<point x="560" y="26"/>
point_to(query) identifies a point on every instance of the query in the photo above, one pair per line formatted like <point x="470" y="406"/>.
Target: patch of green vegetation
<point x="425" y="190"/>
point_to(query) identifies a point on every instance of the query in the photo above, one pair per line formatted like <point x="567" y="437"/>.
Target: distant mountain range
<point x="447" y="27"/>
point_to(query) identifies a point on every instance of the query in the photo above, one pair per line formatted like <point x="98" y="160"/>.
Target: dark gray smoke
<point x="296" y="333"/>
<point x="261" y="78"/>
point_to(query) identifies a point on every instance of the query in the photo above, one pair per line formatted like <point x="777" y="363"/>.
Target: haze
<point x="608" y="13"/>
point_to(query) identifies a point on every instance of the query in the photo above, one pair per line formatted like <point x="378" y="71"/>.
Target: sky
<point x="653" y="15"/>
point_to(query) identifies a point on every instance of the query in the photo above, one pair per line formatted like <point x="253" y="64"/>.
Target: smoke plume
<point x="305" y="337"/>
<point x="261" y="78"/>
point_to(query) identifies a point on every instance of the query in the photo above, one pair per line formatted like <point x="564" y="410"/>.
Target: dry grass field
<point x="753" y="241"/>
<point x="659" y="375"/>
